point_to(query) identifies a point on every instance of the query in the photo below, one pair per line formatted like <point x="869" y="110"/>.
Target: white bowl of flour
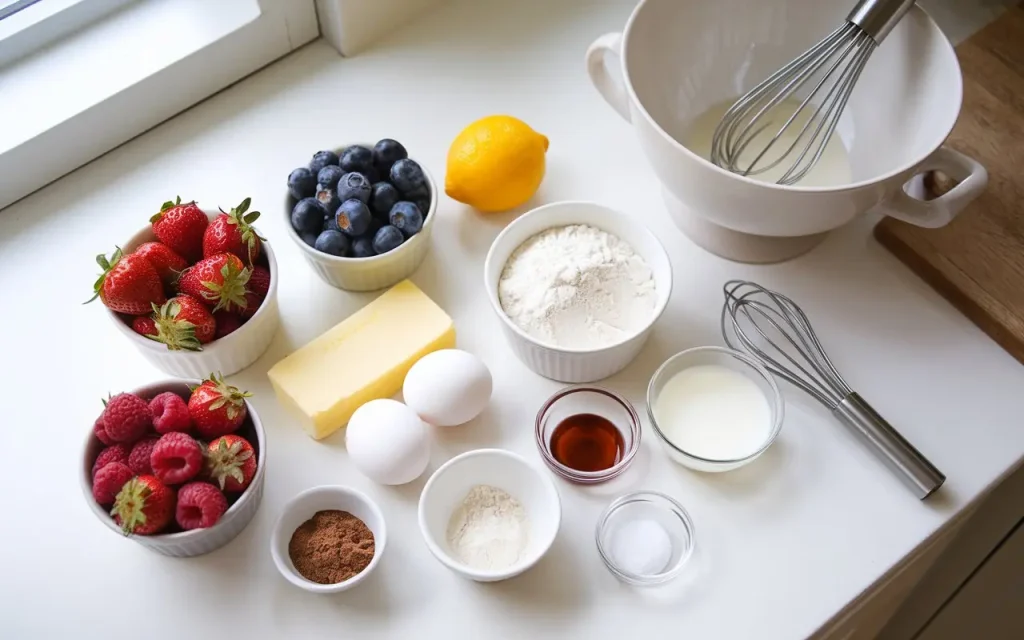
<point x="489" y="515"/>
<point x="577" y="288"/>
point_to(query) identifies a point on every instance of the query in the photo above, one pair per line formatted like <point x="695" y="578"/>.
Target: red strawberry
<point x="126" y="418"/>
<point x="170" y="413"/>
<point x="129" y="284"/>
<point x="109" y="480"/>
<point x="181" y="227"/>
<point x="230" y="462"/>
<point x="226" y="323"/>
<point x="113" y="453"/>
<point x="184" y="323"/>
<point x="219" y="281"/>
<point x="176" y="458"/>
<point x="259" y="281"/>
<point x="217" y="408"/>
<point x="252" y="305"/>
<point x="144" y="506"/>
<point x="200" y="505"/>
<point x="138" y="459"/>
<point x="168" y="264"/>
<point x="144" y="325"/>
<point x="232" y="233"/>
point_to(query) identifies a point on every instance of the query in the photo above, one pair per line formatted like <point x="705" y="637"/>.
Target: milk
<point x="713" y="412"/>
<point x="833" y="167"/>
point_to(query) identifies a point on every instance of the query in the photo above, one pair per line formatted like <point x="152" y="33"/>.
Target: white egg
<point x="387" y="442"/>
<point x="448" y="387"/>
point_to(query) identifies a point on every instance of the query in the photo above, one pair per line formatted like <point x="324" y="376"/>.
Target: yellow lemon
<point x="495" y="164"/>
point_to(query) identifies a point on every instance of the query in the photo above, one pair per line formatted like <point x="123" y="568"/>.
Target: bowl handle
<point x="609" y="83"/>
<point x="970" y="176"/>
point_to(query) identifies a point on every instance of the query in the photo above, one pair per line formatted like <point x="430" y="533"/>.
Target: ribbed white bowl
<point x="227" y="355"/>
<point x="198" y="541"/>
<point x="576" y="365"/>
<point x="369" y="274"/>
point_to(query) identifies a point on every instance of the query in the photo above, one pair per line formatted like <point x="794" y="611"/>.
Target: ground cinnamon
<point x="331" y="547"/>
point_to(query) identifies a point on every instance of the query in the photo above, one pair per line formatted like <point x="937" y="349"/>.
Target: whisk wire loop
<point x="774" y="328"/>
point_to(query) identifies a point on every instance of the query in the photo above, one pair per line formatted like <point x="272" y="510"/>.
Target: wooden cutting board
<point x="977" y="261"/>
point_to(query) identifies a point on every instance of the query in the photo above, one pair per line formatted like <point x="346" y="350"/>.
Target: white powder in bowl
<point x="578" y="287"/>
<point x="489" y="530"/>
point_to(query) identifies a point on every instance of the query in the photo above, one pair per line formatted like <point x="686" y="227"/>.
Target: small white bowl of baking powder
<point x="489" y="515"/>
<point x="577" y="288"/>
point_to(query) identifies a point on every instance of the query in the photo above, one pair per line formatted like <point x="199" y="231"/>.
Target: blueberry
<point x="353" y="217"/>
<point x="424" y="206"/>
<point x="301" y="183"/>
<point x="330" y="224"/>
<point x="386" y="239"/>
<point x="408" y="176"/>
<point x="406" y="217"/>
<point x="328" y="198"/>
<point x="354" y="185"/>
<point x="362" y="247"/>
<point x="329" y="176"/>
<point x="386" y="153"/>
<point x="375" y="225"/>
<point x="357" y="158"/>
<point x="308" y="216"/>
<point x="383" y="196"/>
<point x="309" y="238"/>
<point x="373" y="175"/>
<point x="332" y="242"/>
<point x="321" y="159"/>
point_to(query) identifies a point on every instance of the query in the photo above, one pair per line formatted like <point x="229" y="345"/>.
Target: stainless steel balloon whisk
<point x="772" y="328"/>
<point x="831" y="69"/>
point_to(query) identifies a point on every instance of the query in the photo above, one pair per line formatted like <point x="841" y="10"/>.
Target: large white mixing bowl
<point x="677" y="58"/>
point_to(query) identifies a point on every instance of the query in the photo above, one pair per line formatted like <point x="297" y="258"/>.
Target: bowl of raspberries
<point x="177" y="465"/>
<point x="362" y="214"/>
<point x="195" y="291"/>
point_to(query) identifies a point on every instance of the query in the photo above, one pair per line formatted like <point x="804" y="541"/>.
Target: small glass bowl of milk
<point x="714" y="409"/>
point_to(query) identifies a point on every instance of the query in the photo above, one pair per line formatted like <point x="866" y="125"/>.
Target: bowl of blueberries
<point x="362" y="215"/>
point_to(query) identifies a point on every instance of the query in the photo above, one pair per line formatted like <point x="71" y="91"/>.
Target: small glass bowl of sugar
<point x="645" y="538"/>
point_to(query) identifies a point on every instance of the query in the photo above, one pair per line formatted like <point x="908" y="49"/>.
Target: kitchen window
<point x="79" y="77"/>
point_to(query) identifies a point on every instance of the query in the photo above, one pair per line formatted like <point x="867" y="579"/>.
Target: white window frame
<point x="43" y="153"/>
<point x="57" y="143"/>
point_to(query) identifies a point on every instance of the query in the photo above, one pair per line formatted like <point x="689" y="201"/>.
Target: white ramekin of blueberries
<point x="362" y="215"/>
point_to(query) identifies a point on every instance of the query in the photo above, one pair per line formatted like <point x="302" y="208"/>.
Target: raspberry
<point x="114" y="453"/>
<point x="100" y="431"/>
<point x="176" y="457"/>
<point x="200" y="505"/>
<point x="126" y="418"/>
<point x="170" y="413"/>
<point x="138" y="458"/>
<point x="108" y="481"/>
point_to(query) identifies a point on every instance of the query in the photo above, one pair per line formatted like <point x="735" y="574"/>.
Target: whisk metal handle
<point x="891" y="448"/>
<point x="877" y="17"/>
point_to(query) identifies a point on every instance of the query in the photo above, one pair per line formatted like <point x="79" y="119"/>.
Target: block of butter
<point x="363" y="358"/>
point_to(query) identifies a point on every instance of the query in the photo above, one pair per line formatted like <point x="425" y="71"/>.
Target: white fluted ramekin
<point x="576" y="365"/>
<point x="227" y="355"/>
<point x="198" y="541"/>
<point x="377" y="272"/>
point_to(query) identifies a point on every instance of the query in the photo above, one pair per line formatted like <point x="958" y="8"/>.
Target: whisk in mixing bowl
<point x="831" y="68"/>
<point x="772" y="328"/>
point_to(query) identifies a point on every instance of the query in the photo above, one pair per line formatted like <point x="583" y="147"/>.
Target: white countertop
<point x="782" y="545"/>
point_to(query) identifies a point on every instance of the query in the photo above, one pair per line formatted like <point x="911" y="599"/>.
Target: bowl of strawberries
<point x="177" y="466"/>
<point x="195" y="291"/>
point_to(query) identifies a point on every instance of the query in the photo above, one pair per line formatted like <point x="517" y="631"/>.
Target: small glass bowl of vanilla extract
<point x="587" y="434"/>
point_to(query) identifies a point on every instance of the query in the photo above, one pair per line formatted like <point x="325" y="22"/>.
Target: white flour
<point x="577" y="287"/>
<point x="489" y="530"/>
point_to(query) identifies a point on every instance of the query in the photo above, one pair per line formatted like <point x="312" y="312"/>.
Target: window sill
<point x="82" y="96"/>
